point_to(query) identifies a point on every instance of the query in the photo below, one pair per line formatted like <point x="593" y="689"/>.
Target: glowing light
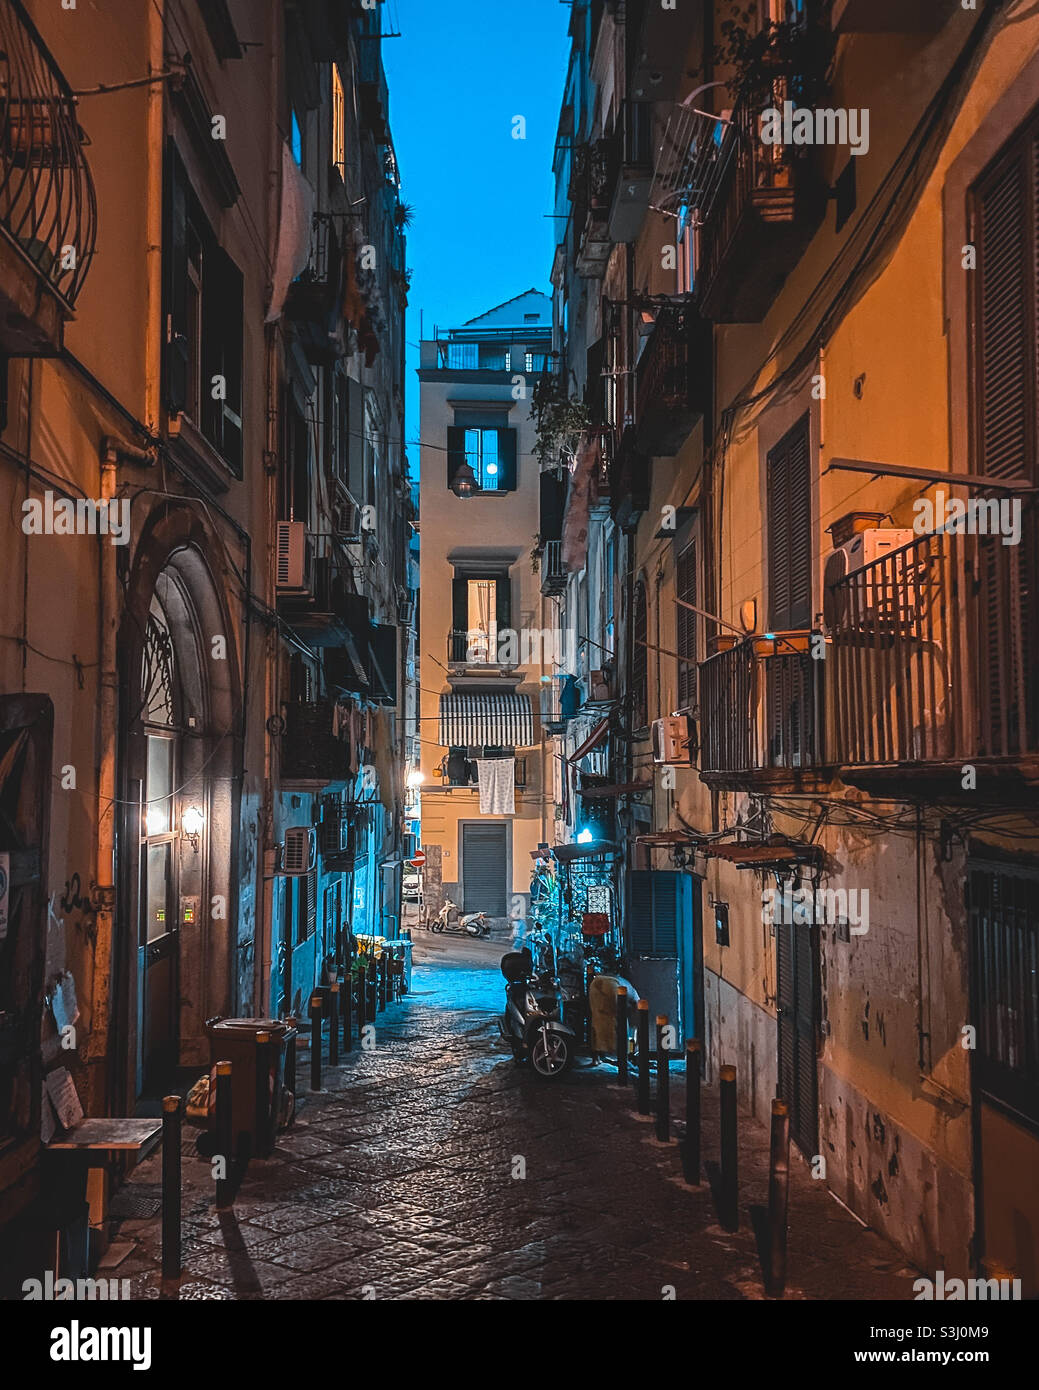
<point x="155" y="820"/>
<point x="416" y="777"/>
<point x="585" y="837"/>
<point x="192" y="821"/>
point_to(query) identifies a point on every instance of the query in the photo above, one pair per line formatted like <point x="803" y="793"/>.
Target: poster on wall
<point x="5" y="880"/>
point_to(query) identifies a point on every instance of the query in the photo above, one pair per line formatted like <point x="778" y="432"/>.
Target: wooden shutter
<point x="222" y="310"/>
<point x="655" y="899"/>
<point x="503" y="601"/>
<point x="175" y="283"/>
<point x="455" y="451"/>
<point x="460" y="603"/>
<point x="685" y="619"/>
<point x="796" y="989"/>
<point x="1006" y="361"/>
<point x="790" y="531"/>
<point x="639" y="658"/>
<point x="507" y="460"/>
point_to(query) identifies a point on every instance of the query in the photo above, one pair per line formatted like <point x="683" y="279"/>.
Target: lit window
<point x="297" y="140"/>
<point x="528" y="362"/>
<point x="481" y="454"/>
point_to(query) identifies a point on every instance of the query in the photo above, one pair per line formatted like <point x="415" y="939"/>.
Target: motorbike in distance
<point x="472" y="923"/>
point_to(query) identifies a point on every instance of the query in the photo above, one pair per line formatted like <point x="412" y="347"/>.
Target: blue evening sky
<point x="462" y="70"/>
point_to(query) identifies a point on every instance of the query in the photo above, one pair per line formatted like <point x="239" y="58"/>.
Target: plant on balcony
<point x="535" y="555"/>
<point x="801" y="50"/>
<point x="559" y="422"/>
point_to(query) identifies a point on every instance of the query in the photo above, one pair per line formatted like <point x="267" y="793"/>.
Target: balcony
<point x="48" y="212"/>
<point x="315" y="749"/>
<point x="558" y="703"/>
<point x="326" y="613"/>
<point x="372" y="88"/>
<point x="591" y="192"/>
<point x="768" y="203"/>
<point x="477" y="649"/>
<point x="629" y="481"/>
<point x="761" y="713"/>
<point x="553" y="576"/>
<point x="631" y="172"/>
<point x="315" y="298"/>
<point x="465" y="774"/>
<point x="672" y="380"/>
<point x="935" y="664"/>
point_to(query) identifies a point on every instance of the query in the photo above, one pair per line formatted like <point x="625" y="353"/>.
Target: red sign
<point x="419" y="859"/>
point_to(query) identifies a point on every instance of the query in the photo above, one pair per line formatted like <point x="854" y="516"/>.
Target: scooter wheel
<point x="550" y="1055"/>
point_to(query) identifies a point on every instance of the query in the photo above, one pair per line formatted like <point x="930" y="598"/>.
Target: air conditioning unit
<point x="346" y="521"/>
<point x="673" y="740"/>
<point x="599" y="686"/>
<point x="291" y="560"/>
<point x="862" y="549"/>
<point x="299" y="852"/>
<point x="334" y="833"/>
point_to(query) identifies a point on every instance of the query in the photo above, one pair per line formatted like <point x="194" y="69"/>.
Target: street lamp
<point x="191" y="823"/>
<point x="416" y="777"/>
<point x="464" y="483"/>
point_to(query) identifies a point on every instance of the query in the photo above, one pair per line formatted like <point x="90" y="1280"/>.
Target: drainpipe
<point x="103" y="888"/>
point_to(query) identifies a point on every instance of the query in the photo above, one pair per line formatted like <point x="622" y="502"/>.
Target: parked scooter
<point x="473" y="923"/>
<point x="532" y="1023"/>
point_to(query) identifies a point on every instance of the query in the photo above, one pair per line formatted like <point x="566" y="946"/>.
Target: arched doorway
<point x="182" y="769"/>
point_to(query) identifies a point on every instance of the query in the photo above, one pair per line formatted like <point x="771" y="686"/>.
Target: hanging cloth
<point x="496" y="778"/>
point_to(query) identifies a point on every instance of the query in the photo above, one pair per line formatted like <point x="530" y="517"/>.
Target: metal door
<point x="797" y="976"/>
<point x="485" y="868"/>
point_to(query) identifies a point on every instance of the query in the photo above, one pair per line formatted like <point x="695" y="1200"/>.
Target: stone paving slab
<point x="396" y="1182"/>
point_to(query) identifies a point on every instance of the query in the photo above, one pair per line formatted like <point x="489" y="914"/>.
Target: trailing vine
<point x="559" y="421"/>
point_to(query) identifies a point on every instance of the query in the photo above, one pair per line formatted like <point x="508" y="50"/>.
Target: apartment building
<point x="803" y="346"/>
<point x="202" y="475"/>
<point x="483" y="637"/>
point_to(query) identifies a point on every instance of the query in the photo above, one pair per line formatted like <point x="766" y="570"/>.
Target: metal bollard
<point x="333" y="1024"/>
<point x="778" y="1194"/>
<point x="224" y="1136"/>
<point x="315" y="1042"/>
<point x="663" y="1084"/>
<point x="691" y="1149"/>
<point x="171" y="1187"/>
<point x="346" y="1003"/>
<point x="622" y="1035"/>
<point x="642" y="1041"/>
<point x="730" y="1216"/>
<point x="290" y="1057"/>
<point x="264" y="1107"/>
<point x="372" y="1004"/>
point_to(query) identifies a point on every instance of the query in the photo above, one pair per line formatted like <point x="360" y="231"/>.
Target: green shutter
<point x="455" y="451"/>
<point x="507" y="460"/>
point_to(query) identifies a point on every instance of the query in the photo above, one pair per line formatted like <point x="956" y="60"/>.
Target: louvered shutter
<point x="507" y="460"/>
<point x="460" y="603"/>
<point x="639" y="658"/>
<point x="503" y="601"/>
<point x="655" y="896"/>
<point x="175" y="283"/>
<point x="222" y="311"/>
<point x="790" y="531"/>
<point x="1006" y="426"/>
<point x="796" y="971"/>
<point x="1007" y="207"/>
<point x="686" y="623"/>
<point x="455" y="451"/>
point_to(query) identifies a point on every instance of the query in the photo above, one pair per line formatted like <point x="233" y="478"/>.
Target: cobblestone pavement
<point x="397" y="1182"/>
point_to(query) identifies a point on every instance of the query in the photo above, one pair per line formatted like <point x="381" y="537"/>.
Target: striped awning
<point x="498" y="720"/>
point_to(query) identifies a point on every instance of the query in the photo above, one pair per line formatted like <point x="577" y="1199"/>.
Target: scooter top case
<point x="516" y="966"/>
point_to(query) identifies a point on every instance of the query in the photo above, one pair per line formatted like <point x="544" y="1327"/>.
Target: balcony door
<point x="481" y="611"/>
<point x="797" y="990"/>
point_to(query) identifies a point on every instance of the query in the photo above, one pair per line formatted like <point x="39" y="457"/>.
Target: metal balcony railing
<point x="471" y="778"/>
<point x="934" y="652"/>
<point x="761" y="708"/>
<point x="553" y="575"/>
<point x="474" y="649"/>
<point x="47" y="201"/>
<point x="314" y="746"/>
<point x="672" y="379"/>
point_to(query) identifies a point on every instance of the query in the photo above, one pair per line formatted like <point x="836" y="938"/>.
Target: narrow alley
<point x="397" y="1181"/>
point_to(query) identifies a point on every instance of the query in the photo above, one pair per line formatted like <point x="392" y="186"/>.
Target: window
<point x="489" y="452"/>
<point x="463" y="357"/>
<point x="1006" y="327"/>
<point x="685" y="621"/>
<point x="481" y="611"/>
<point x="338" y="122"/>
<point x="203" y="300"/>
<point x="1004" y="926"/>
<point x="531" y="318"/>
<point x="639" y="659"/>
<point x="528" y="362"/>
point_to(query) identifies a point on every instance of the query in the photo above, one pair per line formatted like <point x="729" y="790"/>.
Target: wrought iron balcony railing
<point x="935" y="656"/>
<point x="672" y="380"/>
<point x="47" y="202"/>
<point x="765" y="203"/>
<point x="761" y="711"/>
<point x="476" y="649"/>
<point x="315" y="749"/>
<point x="553" y="575"/>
